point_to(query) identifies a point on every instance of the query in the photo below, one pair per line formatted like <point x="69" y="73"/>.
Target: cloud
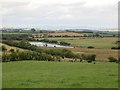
<point x="60" y="12"/>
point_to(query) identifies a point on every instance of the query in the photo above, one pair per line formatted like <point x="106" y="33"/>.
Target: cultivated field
<point x="66" y="33"/>
<point x="39" y="74"/>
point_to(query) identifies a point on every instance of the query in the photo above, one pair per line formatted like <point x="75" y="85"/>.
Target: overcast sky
<point x="59" y="13"/>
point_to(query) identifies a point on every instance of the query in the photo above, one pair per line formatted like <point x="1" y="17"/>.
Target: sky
<point x="59" y="14"/>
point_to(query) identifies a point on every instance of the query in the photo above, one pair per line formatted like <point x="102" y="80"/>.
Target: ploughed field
<point x="40" y="74"/>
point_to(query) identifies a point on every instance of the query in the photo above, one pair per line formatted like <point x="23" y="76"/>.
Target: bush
<point x="90" y="47"/>
<point x="49" y="41"/>
<point x="4" y="48"/>
<point x="11" y="50"/>
<point x="88" y="57"/>
<point x="5" y="57"/>
<point x="116" y="47"/>
<point x="55" y="42"/>
<point x="64" y="43"/>
<point x="112" y="59"/>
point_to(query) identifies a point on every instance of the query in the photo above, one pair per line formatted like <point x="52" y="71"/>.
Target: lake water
<point x="41" y="44"/>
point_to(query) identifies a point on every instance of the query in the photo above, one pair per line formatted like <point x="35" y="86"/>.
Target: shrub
<point x="49" y="41"/>
<point x="5" y="57"/>
<point x="64" y="43"/>
<point x="90" y="47"/>
<point x="88" y="57"/>
<point x="112" y="59"/>
<point x="11" y="50"/>
<point x="116" y="47"/>
<point x="4" y="48"/>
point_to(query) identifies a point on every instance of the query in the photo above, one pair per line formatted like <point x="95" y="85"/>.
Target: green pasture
<point x="40" y="74"/>
<point x="85" y="42"/>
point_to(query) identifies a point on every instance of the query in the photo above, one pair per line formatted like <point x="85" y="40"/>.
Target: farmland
<point x="102" y="46"/>
<point x="46" y="67"/>
<point x="105" y="43"/>
<point x="66" y="34"/>
<point x="38" y="74"/>
<point x="101" y="54"/>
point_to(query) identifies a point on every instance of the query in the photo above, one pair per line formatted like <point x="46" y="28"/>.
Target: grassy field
<point x="105" y="43"/>
<point x="0" y="75"/>
<point x="101" y="54"/>
<point x="38" y="74"/>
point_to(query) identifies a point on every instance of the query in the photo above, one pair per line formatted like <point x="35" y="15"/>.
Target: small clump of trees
<point x="88" y="57"/>
<point x="91" y="47"/>
<point x="113" y="59"/>
<point x="118" y="47"/>
<point x="48" y="41"/>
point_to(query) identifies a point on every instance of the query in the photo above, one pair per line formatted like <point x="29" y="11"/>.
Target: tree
<point x="97" y="35"/>
<point x="112" y="59"/>
<point x="33" y="30"/>
<point x="88" y="58"/>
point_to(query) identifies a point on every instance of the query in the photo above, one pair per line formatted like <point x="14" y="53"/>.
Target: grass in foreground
<point x="38" y="74"/>
<point x="0" y="75"/>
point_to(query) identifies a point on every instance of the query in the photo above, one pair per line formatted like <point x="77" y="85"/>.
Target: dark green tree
<point x="33" y="30"/>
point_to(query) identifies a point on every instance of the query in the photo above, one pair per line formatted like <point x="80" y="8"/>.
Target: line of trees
<point x="113" y="59"/>
<point x="15" y="37"/>
<point x="26" y="45"/>
<point x="54" y="41"/>
<point x="22" y="37"/>
<point x="33" y="52"/>
<point x="28" y="55"/>
<point x="32" y="55"/>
